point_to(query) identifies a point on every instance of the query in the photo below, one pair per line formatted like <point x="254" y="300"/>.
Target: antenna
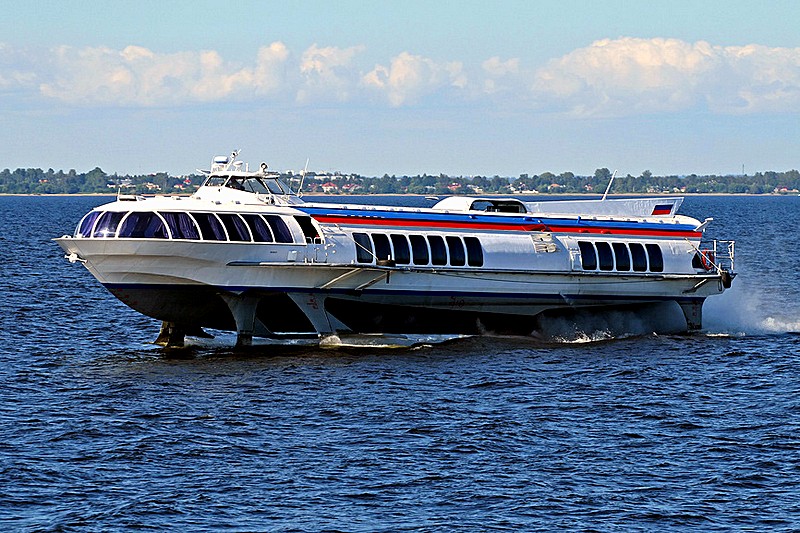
<point x="234" y="155"/>
<point x="609" y="186"/>
<point x="302" y="179"/>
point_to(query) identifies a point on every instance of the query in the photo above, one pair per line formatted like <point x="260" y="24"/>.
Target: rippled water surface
<point x="607" y="427"/>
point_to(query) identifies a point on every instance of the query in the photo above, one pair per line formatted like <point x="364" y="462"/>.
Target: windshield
<point x="254" y="184"/>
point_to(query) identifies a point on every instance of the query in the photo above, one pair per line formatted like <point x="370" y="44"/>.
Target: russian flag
<point x="663" y="209"/>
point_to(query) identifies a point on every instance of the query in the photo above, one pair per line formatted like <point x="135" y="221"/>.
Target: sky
<point x="402" y="87"/>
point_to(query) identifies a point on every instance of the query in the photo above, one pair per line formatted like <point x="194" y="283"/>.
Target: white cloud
<point x="610" y="77"/>
<point x="328" y="73"/>
<point x="630" y="75"/>
<point x="269" y="74"/>
<point x="410" y="77"/>
<point x="500" y="76"/>
<point x="137" y="76"/>
<point x="17" y="69"/>
<point x="494" y="66"/>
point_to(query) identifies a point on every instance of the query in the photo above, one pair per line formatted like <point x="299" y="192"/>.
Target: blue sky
<point x="404" y="87"/>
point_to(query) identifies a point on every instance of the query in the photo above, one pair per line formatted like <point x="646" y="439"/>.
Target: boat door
<point x="316" y="251"/>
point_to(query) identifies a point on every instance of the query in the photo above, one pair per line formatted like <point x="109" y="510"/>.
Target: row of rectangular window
<point x="620" y="256"/>
<point x="418" y="249"/>
<point x="192" y="226"/>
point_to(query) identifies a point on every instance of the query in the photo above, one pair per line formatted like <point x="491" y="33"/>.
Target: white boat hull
<point x="286" y="297"/>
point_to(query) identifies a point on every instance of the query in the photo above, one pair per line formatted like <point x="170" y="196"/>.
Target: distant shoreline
<point x="543" y="195"/>
<point x="57" y="194"/>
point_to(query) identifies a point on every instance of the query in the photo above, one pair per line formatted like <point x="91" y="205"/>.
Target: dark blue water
<point x="611" y="429"/>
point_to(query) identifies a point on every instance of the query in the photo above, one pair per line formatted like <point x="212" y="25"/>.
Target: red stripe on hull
<point x="614" y="231"/>
<point x="360" y="221"/>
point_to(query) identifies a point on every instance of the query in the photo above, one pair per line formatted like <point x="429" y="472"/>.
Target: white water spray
<point x="594" y="325"/>
<point x="751" y="311"/>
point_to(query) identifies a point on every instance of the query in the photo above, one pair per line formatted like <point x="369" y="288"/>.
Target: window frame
<point x="419" y="244"/>
<point x="238" y="227"/>
<point x="252" y="221"/>
<point x="455" y="250"/>
<point x="438" y="251"/>
<point x="99" y="221"/>
<point x="655" y="257"/>
<point x="638" y="257"/>
<point x="364" y="249"/>
<point x="202" y="226"/>
<point x="127" y="217"/>
<point x="620" y="250"/>
<point x="474" y="251"/>
<point x="177" y="232"/>
<point x="382" y="246"/>
<point x="588" y="256"/>
<point x="401" y="253"/>
<point x="280" y="229"/>
<point x="89" y="219"/>
<point x="605" y="256"/>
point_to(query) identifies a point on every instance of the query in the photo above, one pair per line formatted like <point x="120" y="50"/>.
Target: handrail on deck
<point x="719" y="254"/>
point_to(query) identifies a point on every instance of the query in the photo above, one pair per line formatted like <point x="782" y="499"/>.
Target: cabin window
<point x="210" y="227"/>
<point x="279" y="228"/>
<point x="235" y="183"/>
<point x="107" y="224"/>
<point x="474" y="251"/>
<point x="85" y="226"/>
<point x="402" y="255"/>
<point x="309" y="231"/>
<point x="639" y="257"/>
<point x="419" y="249"/>
<point x="181" y="226"/>
<point x="481" y="205"/>
<point x="656" y="258"/>
<point x="363" y="248"/>
<point x="382" y="248"/>
<point x="497" y="206"/>
<point x="438" y="251"/>
<point x="622" y="256"/>
<point x="276" y="187"/>
<point x="588" y="256"/>
<point x="456" y="247"/>
<point x="259" y="228"/>
<point x="254" y="185"/>
<point x="604" y="255"/>
<point x="142" y="225"/>
<point x="237" y="229"/>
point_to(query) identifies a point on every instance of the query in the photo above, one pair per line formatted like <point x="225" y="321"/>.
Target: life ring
<point x="707" y="259"/>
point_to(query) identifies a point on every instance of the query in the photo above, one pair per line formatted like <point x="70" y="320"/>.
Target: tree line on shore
<point x="38" y="181"/>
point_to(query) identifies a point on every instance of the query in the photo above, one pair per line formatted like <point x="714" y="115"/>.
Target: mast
<point x="609" y="186"/>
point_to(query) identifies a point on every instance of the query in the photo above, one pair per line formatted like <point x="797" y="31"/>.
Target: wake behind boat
<point x="245" y="253"/>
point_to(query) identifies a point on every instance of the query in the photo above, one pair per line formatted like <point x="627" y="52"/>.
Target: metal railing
<point x="718" y="255"/>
